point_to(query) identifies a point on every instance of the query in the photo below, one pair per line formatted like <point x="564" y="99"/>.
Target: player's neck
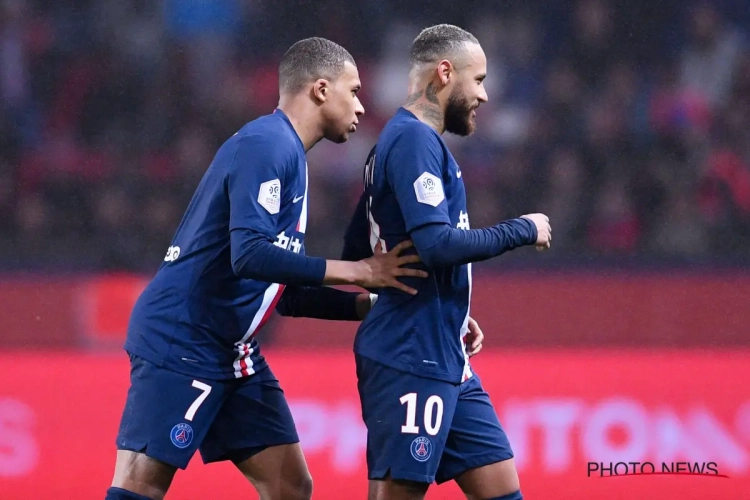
<point x="304" y="122"/>
<point x="423" y="102"/>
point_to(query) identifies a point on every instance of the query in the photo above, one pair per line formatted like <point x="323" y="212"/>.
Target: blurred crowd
<point x="628" y="123"/>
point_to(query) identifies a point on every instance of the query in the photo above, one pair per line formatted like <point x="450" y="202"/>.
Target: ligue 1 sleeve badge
<point x="421" y="449"/>
<point x="181" y="435"/>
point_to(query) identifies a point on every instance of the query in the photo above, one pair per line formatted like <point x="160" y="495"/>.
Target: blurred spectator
<point x="33" y="221"/>
<point x="7" y="202"/>
<point x="13" y="65"/>
<point x="205" y="31"/>
<point x="110" y="112"/>
<point x="711" y="55"/>
<point x="614" y="226"/>
<point x="679" y="229"/>
<point x="566" y="200"/>
<point x="593" y="44"/>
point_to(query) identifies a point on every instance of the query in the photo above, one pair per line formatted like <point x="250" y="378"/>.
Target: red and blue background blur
<point x="627" y="123"/>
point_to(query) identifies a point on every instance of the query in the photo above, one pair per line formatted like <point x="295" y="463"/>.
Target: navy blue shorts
<point x="168" y="415"/>
<point x="426" y="430"/>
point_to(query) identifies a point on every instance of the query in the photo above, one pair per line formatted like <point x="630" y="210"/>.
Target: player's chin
<point x="467" y="129"/>
<point x="338" y="138"/>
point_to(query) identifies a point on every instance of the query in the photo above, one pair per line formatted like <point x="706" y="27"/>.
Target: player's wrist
<point x="339" y="272"/>
<point x="362" y="273"/>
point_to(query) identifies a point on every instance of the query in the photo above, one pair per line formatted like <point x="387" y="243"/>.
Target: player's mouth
<point x="353" y="128"/>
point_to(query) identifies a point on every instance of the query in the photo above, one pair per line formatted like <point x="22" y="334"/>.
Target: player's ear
<point x="321" y="89"/>
<point x="445" y="71"/>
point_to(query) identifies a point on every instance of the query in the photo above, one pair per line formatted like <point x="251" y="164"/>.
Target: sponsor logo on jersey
<point x="173" y="253"/>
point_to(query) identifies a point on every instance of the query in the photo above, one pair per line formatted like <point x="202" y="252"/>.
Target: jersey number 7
<point x="199" y="401"/>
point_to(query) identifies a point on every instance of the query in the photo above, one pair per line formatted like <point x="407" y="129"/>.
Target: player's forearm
<point x="322" y="302"/>
<point x="339" y="272"/>
<point x="255" y="257"/>
<point x="440" y="245"/>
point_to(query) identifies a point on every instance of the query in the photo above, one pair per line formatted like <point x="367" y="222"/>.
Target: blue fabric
<point x="440" y="245"/>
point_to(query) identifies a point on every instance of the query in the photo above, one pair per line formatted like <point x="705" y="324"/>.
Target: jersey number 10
<point x="433" y="410"/>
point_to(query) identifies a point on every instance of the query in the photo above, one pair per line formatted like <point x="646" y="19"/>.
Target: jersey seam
<point x="442" y="376"/>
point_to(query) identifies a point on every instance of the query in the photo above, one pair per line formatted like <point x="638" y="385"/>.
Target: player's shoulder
<point x="267" y="137"/>
<point x="405" y="129"/>
<point x="268" y="131"/>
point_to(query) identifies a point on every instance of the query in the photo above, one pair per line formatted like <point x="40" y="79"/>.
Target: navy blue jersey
<point x="197" y="316"/>
<point x="411" y="180"/>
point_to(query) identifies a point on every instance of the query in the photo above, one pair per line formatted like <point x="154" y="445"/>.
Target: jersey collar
<point x="283" y="116"/>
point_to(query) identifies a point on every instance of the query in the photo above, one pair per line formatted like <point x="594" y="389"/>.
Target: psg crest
<point x="181" y="435"/>
<point x="421" y="449"/>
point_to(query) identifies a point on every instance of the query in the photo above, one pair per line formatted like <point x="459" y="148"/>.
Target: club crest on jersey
<point x="429" y="189"/>
<point x="181" y="435"/>
<point x="421" y="449"/>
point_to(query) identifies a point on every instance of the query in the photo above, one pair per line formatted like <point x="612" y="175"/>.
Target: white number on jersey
<point x="198" y="402"/>
<point x="433" y="414"/>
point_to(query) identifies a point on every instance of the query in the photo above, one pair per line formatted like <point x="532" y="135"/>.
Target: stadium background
<point x="628" y="123"/>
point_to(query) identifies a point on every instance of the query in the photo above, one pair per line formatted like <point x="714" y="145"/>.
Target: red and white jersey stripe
<point x="247" y="346"/>
<point x="464" y="330"/>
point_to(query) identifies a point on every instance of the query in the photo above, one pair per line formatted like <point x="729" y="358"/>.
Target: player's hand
<point x="384" y="269"/>
<point x="474" y="338"/>
<point x="543" y="229"/>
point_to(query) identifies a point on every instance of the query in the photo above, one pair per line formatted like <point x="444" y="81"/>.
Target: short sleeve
<point x="414" y="168"/>
<point x="255" y="185"/>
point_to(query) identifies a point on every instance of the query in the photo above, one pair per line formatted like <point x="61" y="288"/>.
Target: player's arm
<point x="258" y="164"/>
<point x="441" y="245"/>
<point x="323" y="302"/>
<point x="256" y="178"/>
<point x="415" y="172"/>
<point x="357" y="236"/>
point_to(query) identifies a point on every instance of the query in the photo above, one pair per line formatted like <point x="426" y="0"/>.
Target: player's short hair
<point x="310" y="59"/>
<point x="442" y="41"/>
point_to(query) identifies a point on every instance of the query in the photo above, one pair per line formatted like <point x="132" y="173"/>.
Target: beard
<point x="458" y="119"/>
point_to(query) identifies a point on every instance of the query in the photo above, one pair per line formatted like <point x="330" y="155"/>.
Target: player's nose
<point x="359" y="110"/>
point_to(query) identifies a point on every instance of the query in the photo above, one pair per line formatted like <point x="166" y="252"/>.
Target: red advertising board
<point x="585" y="309"/>
<point x="562" y="409"/>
